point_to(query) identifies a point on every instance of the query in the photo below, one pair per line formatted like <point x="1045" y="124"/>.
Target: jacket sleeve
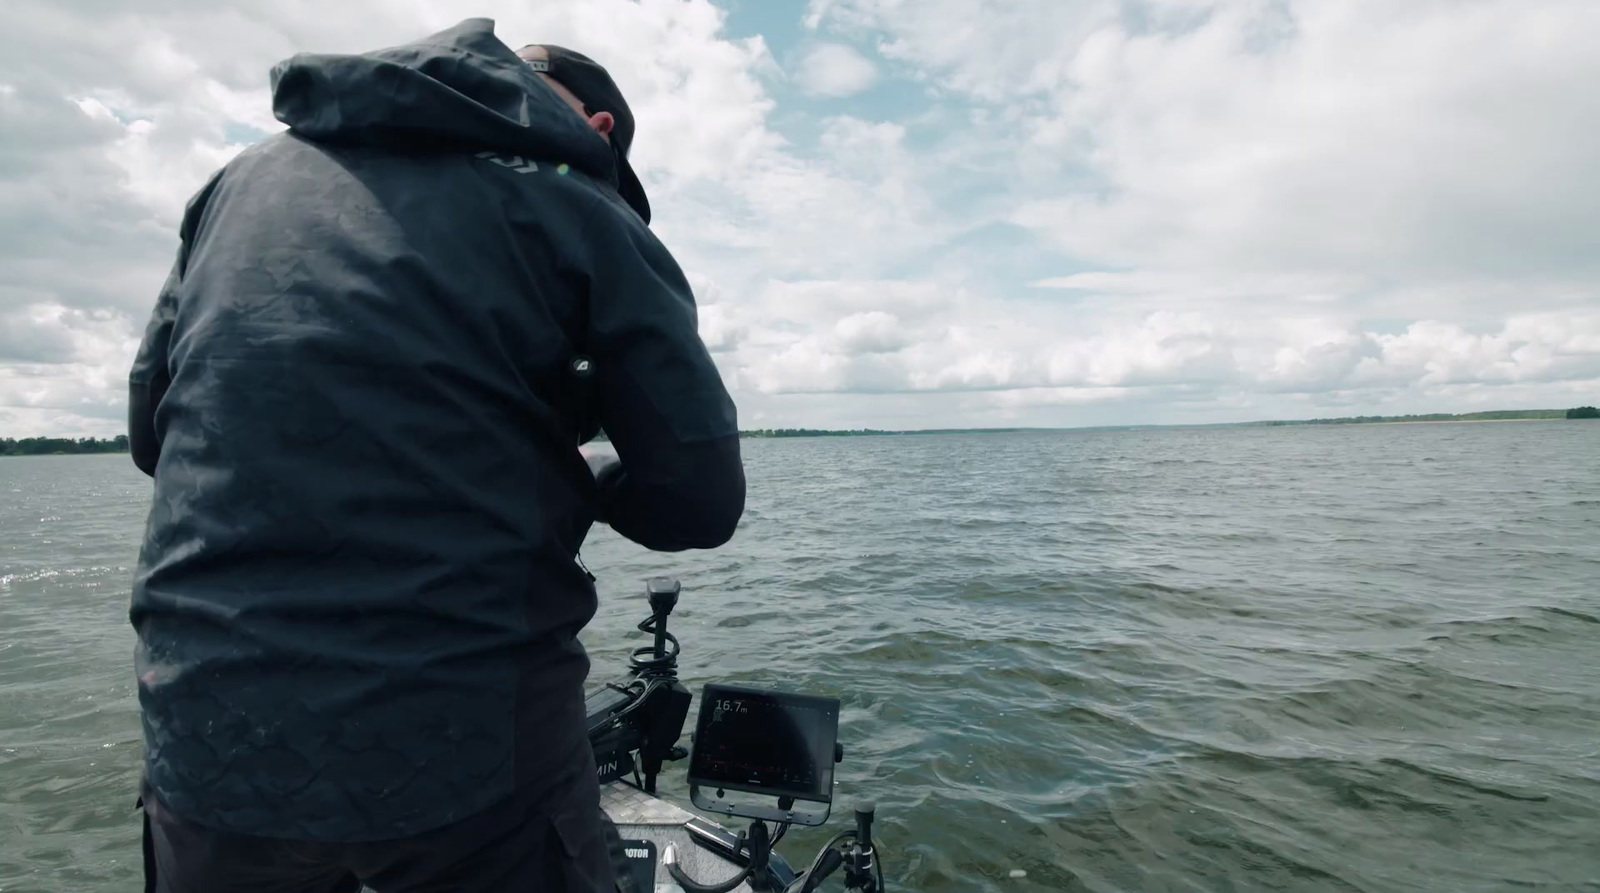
<point x="680" y="483"/>
<point x="149" y="377"/>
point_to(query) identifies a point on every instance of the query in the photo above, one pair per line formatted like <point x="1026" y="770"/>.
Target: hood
<point x="460" y="87"/>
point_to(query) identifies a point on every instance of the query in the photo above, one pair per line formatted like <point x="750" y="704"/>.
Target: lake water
<point x="1360" y="658"/>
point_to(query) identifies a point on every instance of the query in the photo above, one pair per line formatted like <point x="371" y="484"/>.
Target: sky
<point x="939" y="213"/>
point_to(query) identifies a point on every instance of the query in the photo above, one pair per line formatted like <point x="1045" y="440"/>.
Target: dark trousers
<point x="554" y="841"/>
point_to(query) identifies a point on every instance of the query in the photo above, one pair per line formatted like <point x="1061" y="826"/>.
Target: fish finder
<point x="752" y="743"/>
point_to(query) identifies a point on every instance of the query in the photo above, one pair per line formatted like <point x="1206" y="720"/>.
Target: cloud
<point x="1404" y="140"/>
<point x="870" y="333"/>
<point x="1453" y="145"/>
<point x="1380" y="201"/>
<point x="924" y="340"/>
<point x="996" y="52"/>
<point x="65" y="366"/>
<point x="1529" y="348"/>
<point x="835" y="70"/>
<point x="52" y="334"/>
<point x="25" y="337"/>
<point x="1103" y="211"/>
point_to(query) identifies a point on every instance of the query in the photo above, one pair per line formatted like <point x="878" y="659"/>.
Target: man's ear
<point x="602" y="122"/>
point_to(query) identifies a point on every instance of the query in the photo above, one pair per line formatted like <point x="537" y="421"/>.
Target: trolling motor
<point x="644" y="715"/>
<point x="751" y="745"/>
<point x="862" y="871"/>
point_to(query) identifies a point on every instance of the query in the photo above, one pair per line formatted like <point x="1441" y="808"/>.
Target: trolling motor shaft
<point x="663" y="592"/>
<point x="666" y="703"/>
<point x="859" y="871"/>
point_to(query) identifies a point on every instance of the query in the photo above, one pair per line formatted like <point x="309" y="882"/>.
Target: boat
<point x="751" y="745"/>
<point x="650" y="827"/>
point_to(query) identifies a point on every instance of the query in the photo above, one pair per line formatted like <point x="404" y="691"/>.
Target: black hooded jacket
<point x="358" y="597"/>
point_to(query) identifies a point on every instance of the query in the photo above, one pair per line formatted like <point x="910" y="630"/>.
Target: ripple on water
<point x="1328" y="659"/>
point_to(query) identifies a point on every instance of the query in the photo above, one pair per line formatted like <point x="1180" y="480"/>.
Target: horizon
<point x="1084" y="214"/>
<point x="1423" y="418"/>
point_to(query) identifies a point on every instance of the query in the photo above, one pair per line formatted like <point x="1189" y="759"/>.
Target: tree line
<point x="1581" y="412"/>
<point x="815" y="432"/>
<point x="66" y="446"/>
<point x="61" y="446"/>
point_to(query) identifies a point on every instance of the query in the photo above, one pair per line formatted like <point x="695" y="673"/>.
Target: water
<point x="1320" y="659"/>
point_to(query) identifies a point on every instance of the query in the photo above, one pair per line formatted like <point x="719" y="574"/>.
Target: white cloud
<point x="1529" y="348"/>
<point x="28" y="335"/>
<point x="871" y="332"/>
<point x="1260" y="193"/>
<point x="923" y="342"/>
<point x="995" y="51"/>
<point x="835" y="70"/>
<point x="66" y="367"/>
<point x="1084" y="212"/>
<point x="1402" y="139"/>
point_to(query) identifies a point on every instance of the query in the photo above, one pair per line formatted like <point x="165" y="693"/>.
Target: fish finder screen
<point x="765" y="742"/>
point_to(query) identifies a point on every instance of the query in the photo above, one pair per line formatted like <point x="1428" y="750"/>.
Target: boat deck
<point x="639" y="816"/>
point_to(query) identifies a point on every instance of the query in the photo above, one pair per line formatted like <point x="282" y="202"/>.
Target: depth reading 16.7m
<point x="765" y="742"/>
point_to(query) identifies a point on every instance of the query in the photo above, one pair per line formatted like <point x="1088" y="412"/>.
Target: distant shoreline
<point x="106" y="448"/>
<point x="63" y="446"/>
<point x="66" y="455"/>
<point x="915" y="432"/>
<point x="1424" y="422"/>
<point x="1515" y="415"/>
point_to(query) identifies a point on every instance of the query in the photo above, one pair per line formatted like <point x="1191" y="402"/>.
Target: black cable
<point x="644" y="660"/>
<point x="692" y="886"/>
<point x="760" y="852"/>
<point x="837" y="838"/>
<point x="799" y="883"/>
<point x="828" y="864"/>
<point x="638" y="700"/>
<point x="827" y="861"/>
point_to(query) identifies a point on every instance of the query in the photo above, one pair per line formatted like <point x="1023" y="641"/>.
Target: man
<point x="361" y="397"/>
